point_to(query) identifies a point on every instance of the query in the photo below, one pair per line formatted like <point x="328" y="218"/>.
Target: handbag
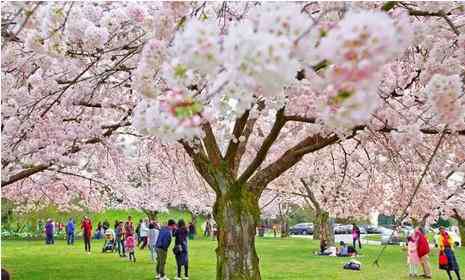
<point x="443" y="262"/>
<point x="352" y="265"/>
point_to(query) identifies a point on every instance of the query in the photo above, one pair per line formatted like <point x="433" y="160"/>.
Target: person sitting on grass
<point x="326" y="250"/>
<point x="342" y="250"/>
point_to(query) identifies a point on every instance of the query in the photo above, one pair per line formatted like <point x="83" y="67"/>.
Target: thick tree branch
<point x="289" y="159"/>
<point x="239" y="126"/>
<point x="109" y="129"/>
<point x="242" y="146"/>
<point x="211" y="146"/>
<point x="25" y="173"/>
<point x="200" y="162"/>
<point x="266" y="145"/>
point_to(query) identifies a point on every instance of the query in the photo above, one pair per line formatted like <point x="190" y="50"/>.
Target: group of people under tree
<point x="419" y="249"/>
<point x="148" y="233"/>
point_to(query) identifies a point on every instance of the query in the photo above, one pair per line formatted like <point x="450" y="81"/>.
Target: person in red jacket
<point x="423" y="251"/>
<point x="86" y="227"/>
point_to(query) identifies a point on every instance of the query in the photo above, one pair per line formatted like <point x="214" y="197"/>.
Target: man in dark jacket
<point x="162" y="245"/>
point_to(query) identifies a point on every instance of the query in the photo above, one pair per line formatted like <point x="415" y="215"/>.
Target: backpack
<point x="352" y="265"/>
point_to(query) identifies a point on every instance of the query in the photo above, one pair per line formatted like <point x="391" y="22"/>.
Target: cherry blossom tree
<point x="246" y="89"/>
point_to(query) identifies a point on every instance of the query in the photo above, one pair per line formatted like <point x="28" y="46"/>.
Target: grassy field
<point x="286" y="259"/>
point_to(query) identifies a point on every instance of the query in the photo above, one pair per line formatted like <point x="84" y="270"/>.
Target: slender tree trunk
<point x="151" y="214"/>
<point x="237" y="214"/>
<point x="193" y="218"/>
<point x="284" y="227"/>
<point x="316" y="225"/>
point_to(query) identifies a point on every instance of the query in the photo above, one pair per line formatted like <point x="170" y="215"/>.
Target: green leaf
<point x="389" y="5"/>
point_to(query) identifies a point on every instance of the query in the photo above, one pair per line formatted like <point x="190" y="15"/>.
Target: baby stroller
<point x="109" y="244"/>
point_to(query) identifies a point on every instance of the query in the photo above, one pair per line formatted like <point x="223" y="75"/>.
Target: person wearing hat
<point x="446" y="244"/>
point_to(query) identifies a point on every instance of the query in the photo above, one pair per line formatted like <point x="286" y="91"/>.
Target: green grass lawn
<point x="285" y="259"/>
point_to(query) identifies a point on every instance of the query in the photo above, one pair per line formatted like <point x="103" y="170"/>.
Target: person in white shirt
<point x="152" y="238"/>
<point x="144" y="230"/>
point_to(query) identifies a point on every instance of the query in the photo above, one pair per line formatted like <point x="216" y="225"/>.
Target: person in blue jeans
<point x="70" y="231"/>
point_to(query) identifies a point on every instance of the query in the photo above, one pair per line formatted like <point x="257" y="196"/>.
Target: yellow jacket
<point x="441" y="242"/>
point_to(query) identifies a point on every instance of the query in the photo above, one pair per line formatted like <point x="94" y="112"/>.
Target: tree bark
<point x="326" y="229"/>
<point x="237" y="214"/>
<point x="284" y="228"/>
<point x="316" y="225"/>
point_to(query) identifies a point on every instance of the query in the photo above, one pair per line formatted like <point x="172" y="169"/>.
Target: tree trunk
<point x="151" y="214"/>
<point x="284" y="228"/>
<point x="193" y="218"/>
<point x="316" y="225"/>
<point x="326" y="228"/>
<point x="237" y="214"/>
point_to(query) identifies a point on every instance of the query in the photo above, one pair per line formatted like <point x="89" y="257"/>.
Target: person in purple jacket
<point x="49" y="230"/>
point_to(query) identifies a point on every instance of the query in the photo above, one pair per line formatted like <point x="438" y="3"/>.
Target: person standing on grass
<point x="423" y="252"/>
<point x="139" y="239"/>
<point x="413" y="260"/>
<point x="162" y="245"/>
<point x="130" y="245"/>
<point x="180" y="250"/>
<point x="446" y="244"/>
<point x="208" y="227"/>
<point x="356" y="236"/>
<point x="70" y="232"/>
<point x="129" y="227"/>
<point x="152" y="238"/>
<point x="86" y="227"/>
<point x="144" y="230"/>
<point x="119" y="236"/>
<point x="191" y="231"/>
<point x="49" y="231"/>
